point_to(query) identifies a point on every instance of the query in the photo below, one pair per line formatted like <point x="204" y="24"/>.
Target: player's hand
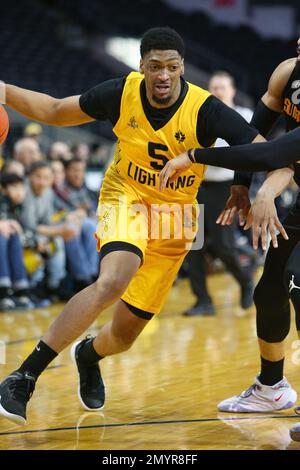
<point x="238" y="202"/>
<point x="173" y="169"/>
<point x="263" y="218"/>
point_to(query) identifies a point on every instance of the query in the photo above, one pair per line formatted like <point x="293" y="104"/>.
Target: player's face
<point x="162" y="70"/>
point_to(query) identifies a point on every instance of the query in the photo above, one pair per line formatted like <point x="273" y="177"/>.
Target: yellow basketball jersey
<point x="143" y="151"/>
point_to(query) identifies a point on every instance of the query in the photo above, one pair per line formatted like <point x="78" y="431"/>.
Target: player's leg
<point x="114" y="337"/>
<point x="270" y="391"/>
<point x="117" y="269"/>
<point x="292" y="283"/>
<point x="143" y="298"/>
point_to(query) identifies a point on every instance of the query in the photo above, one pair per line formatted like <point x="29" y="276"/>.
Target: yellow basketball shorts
<point x="160" y="235"/>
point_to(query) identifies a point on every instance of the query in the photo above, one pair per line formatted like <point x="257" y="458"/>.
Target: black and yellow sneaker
<point x="91" y="390"/>
<point x="15" y="392"/>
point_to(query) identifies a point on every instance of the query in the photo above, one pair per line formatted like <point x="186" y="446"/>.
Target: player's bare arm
<point x="263" y="214"/>
<point x="44" y="108"/>
<point x="273" y="98"/>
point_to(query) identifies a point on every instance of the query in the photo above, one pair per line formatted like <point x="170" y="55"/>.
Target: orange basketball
<point x="4" y="124"/>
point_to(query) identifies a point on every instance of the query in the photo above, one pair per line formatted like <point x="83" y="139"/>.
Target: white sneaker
<point x="261" y="398"/>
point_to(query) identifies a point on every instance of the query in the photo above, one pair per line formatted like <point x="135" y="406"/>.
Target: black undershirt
<point x="215" y="119"/>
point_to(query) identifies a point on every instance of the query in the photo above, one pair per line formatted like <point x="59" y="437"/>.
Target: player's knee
<point x="112" y="285"/>
<point x="261" y="297"/>
<point x="266" y="299"/>
<point x="273" y="314"/>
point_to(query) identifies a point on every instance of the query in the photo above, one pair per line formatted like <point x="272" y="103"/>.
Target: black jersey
<point x="291" y="109"/>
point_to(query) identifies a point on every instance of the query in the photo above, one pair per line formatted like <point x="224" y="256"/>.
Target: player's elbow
<point x="56" y="116"/>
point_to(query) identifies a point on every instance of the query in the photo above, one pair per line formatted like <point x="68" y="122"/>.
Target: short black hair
<point x="71" y="161"/>
<point x="10" y="178"/>
<point x="163" y="38"/>
<point x="35" y="166"/>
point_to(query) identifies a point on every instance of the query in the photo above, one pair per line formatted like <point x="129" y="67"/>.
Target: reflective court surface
<point x="161" y="394"/>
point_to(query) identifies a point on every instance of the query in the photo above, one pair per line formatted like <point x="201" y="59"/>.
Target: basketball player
<point x="156" y="115"/>
<point x="286" y="88"/>
<point x="281" y="276"/>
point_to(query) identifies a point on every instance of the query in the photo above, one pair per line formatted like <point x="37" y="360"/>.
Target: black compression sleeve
<point x="263" y="120"/>
<point x="266" y="156"/>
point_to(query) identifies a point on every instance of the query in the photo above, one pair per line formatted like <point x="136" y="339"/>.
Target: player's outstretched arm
<point x="265" y="115"/>
<point x="266" y="156"/>
<point x="45" y="108"/>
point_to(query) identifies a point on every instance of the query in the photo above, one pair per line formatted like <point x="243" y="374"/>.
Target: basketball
<point x="4" y="124"/>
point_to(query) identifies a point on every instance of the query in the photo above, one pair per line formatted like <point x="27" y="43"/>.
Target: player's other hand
<point x="173" y="169"/>
<point x="263" y="218"/>
<point x="238" y="202"/>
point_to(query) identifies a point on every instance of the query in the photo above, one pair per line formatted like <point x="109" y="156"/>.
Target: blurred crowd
<point x="48" y="220"/>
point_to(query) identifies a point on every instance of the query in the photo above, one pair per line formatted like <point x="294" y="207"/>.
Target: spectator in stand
<point x="59" y="151"/>
<point x="27" y="151"/>
<point x="74" y="190"/>
<point x="35" y="131"/>
<point x="81" y="150"/>
<point x="37" y="213"/>
<point x="59" y="174"/>
<point x="13" y="166"/>
<point x="74" y="198"/>
<point x="14" y="284"/>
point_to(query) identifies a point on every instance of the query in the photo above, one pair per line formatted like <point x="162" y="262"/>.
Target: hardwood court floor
<point x="162" y="394"/>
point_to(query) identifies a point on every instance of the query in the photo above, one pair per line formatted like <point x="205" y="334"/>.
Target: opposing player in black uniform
<point x="281" y="276"/>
